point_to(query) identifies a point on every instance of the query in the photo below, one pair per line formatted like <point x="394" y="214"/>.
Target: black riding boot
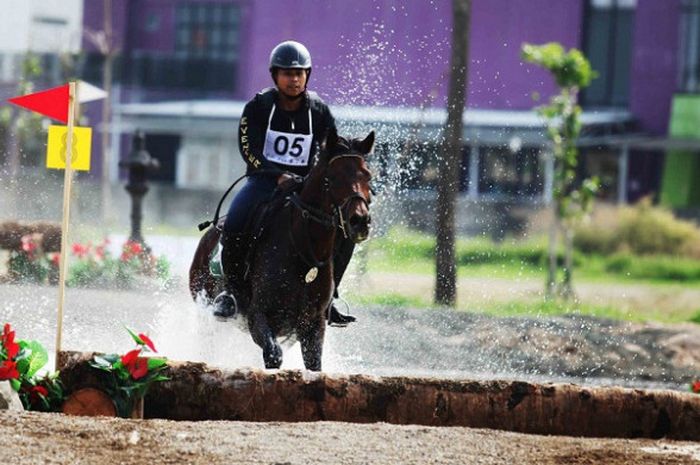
<point x="341" y="259"/>
<point x="229" y="302"/>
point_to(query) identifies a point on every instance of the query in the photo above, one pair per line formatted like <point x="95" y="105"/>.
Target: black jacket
<point x="253" y="126"/>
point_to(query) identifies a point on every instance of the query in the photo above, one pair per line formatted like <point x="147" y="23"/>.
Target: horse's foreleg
<point x="265" y="338"/>
<point x="311" y="340"/>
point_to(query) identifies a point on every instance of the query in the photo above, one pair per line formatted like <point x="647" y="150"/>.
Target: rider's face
<point x="291" y="82"/>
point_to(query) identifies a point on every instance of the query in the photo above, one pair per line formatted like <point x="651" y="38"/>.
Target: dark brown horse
<point x="291" y="267"/>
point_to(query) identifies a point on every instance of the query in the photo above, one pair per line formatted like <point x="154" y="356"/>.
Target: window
<point x="507" y="174"/>
<point x="206" y="51"/>
<point x="689" y="79"/>
<point x="207" y="30"/>
<point x="608" y="33"/>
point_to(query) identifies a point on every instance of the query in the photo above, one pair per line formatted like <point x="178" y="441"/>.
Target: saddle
<point x="256" y="226"/>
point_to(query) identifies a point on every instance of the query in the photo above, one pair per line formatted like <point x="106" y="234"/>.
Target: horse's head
<point x="347" y="178"/>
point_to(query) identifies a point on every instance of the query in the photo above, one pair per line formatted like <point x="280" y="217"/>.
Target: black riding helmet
<point x="290" y="55"/>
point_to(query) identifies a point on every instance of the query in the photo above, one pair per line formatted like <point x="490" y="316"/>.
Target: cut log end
<point x="89" y="402"/>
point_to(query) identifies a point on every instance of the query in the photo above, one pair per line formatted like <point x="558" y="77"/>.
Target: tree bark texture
<point x="450" y="158"/>
<point x="198" y="392"/>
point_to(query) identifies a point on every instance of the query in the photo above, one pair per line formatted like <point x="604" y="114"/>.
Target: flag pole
<point x="67" y="181"/>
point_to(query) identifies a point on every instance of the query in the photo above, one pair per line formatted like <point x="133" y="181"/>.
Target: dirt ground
<point x="33" y="438"/>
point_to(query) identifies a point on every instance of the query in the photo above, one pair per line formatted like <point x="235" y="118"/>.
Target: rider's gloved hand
<point x="287" y="181"/>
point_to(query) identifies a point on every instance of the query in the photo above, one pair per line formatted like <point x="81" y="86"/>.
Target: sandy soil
<point x="32" y="438"/>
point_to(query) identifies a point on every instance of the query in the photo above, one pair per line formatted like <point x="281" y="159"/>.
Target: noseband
<point x="337" y="219"/>
<point x="342" y="219"/>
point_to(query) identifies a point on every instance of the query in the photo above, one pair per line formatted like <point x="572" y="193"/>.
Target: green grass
<point x="390" y="299"/>
<point x="413" y="252"/>
<point x="529" y="308"/>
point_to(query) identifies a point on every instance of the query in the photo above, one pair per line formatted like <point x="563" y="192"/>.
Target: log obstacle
<point x="196" y="391"/>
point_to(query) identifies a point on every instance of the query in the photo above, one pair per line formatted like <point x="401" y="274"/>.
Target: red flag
<point x="52" y="102"/>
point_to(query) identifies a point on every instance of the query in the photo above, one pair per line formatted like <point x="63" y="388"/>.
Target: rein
<point x="329" y="221"/>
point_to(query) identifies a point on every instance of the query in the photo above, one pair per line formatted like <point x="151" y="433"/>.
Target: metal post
<point x="623" y="164"/>
<point x="139" y="164"/>
<point x="474" y="172"/>
<point x="548" y="188"/>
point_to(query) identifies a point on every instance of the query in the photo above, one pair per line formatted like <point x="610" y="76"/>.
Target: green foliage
<point x="94" y="266"/>
<point x="598" y="251"/>
<point x="643" y="229"/>
<point x="129" y="377"/>
<point x="570" y="69"/>
<point x="391" y="299"/>
<point x="550" y="308"/>
<point x="657" y="268"/>
<point x="696" y="318"/>
<point x="19" y="363"/>
<point x="400" y="245"/>
<point x="654" y="230"/>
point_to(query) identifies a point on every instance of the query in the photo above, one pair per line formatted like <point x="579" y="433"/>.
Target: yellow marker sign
<point x="80" y="152"/>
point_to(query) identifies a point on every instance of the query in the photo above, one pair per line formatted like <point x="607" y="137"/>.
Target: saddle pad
<point x="216" y="269"/>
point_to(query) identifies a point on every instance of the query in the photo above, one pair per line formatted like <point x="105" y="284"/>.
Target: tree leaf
<point x="38" y="358"/>
<point x="154" y="363"/>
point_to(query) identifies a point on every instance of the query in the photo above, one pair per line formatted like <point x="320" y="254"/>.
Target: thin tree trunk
<point x="106" y="113"/>
<point x="567" y="291"/>
<point x="552" y="254"/>
<point x="12" y="145"/>
<point x="448" y="162"/>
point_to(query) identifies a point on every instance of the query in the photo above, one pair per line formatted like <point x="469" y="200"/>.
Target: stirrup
<point x="337" y="319"/>
<point x="225" y="306"/>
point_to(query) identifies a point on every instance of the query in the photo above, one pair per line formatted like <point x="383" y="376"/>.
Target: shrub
<point x="30" y="263"/>
<point x="696" y="318"/>
<point x="95" y="267"/>
<point x="643" y="229"/>
<point x="653" y="230"/>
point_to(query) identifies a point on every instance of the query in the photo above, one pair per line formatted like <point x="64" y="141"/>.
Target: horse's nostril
<point x="355" y="220"/>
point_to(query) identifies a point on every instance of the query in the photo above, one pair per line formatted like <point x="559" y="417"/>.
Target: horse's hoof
<point x="225" y="306"/>
<point x="273" y="357"/>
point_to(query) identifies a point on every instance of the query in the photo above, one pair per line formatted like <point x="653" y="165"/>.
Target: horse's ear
<point x="367" y="146"/>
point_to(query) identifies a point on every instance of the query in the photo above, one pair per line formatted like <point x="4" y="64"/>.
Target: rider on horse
<point x="281" y="129"/>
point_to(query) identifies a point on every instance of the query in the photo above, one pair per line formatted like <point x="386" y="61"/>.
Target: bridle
<point x="337" y="219"/>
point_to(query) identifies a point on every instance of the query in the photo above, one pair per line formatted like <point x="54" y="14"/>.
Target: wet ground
<point x="384" y="341"/>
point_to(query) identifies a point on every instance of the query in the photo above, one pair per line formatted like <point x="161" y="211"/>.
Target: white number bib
<point x="288" y="148"/>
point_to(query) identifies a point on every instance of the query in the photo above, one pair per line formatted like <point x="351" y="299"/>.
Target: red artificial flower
<point x="130" y="357"/>
<point x="147" y="340"/>
<point x="696" y="386"/>
<point x="8" y="370"/>
<point x="139" y="368"/>
<point x="8" y="341"/>
<point x="28" y="244"/>
<point x="39" y="390"/>
<point x="80" y="250"/>
<point x="135" y="248"/>
<point x="100" y="252"/>
<point x="55" y="259"/>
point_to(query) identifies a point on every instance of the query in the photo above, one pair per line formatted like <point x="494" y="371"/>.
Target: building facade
<point x="185" y="67"/>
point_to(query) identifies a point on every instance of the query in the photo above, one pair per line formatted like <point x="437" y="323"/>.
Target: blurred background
<point x="181" y="71"/>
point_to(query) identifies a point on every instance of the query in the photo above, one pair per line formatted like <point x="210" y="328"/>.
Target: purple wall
<point x="392" y="52"/>
<point x="655" y="63"/>
<point x="397" y="53"/>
